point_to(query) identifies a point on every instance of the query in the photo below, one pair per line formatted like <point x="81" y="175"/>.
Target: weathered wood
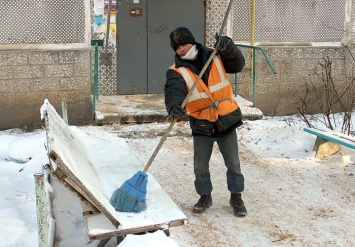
<point x="74" y="163"/>
<point x="124" y="232"/>
<point x="120" y="239"/>
<point x="72" y="187"/>
<point x="69" y="161"/>
<point x="103" y="242"/>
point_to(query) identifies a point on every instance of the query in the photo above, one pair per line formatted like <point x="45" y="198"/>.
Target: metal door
<point x="163" y="17"/>
<point x="143" y="45"/>
<point x="131" y="21"/>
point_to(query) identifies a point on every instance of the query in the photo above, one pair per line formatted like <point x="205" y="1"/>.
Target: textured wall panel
<point x="281" y="21"/>
<point x="42" y="21"/>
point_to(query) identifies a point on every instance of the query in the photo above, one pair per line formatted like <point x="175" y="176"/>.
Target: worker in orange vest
<point x="212" y="111"/>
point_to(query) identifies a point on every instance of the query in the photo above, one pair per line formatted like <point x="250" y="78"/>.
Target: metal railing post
<point x="254" y="76"/>
<point x="65" y="111"/>
<point x="41" y="210"/>
<point x="96" y="43"/>
<point x="254" y="48"/>
<point x="236" y="84"/>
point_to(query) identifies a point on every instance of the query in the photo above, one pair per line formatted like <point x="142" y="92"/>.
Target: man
<point x="213" y="113"/>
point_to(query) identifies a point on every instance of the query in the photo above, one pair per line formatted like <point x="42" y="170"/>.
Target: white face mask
<point x="191" y="54"/>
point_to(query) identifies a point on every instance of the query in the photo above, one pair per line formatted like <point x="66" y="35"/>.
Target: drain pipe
<point x="252" y="31"/>
<point x="108" y="24"/>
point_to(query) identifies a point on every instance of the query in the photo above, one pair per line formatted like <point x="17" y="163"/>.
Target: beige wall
<point x="29" y="77"/>
<point x="276" y="94"/>
<point x="44" y="54"/>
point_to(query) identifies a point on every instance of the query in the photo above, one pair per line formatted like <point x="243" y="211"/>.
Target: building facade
<point x="46" y="53"/>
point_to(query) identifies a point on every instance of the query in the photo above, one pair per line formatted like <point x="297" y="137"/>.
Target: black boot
<point x="238" y="205"/>
<point x="203" y="203"/>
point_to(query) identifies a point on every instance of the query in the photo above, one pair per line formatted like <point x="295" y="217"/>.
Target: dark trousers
<point x="228" y="146"/>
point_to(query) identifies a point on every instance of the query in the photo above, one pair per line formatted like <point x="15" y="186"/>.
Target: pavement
<point x="148" y="108"/>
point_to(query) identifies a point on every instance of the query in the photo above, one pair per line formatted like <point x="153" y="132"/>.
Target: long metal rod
<point x="263" y="52"/>
<point x="254" y="77"/>
<point x="108" y="24"/>
<point x="191" y="90"/>
<point x="41" y="210"/>
<point x="96" y="79"/>
<point x="252" y="33"/>
<point x="96" y="72"/>
<point x="49" y="213"/>
<point x="254" y="48"/>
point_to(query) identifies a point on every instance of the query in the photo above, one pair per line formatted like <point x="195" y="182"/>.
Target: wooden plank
<point x="100" y="230"/>
<point x="75" y="164"/>
<point x="69" y="184"/>
<point x="333" y="136"/>
<point x="103" y="242"/>
<point x="66" y="150"/>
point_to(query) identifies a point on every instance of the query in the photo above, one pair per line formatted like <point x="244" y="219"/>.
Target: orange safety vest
<point x="209" y="102"/>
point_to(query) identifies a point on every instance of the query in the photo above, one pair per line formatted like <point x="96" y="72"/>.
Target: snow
<point x="293" y="199"/>
<point x="91" y="168"/>
<point x="157" y="239"/>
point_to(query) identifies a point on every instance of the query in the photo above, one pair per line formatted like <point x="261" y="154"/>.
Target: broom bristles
<point x="131" y="196"/>
<point x="122" y="201"/>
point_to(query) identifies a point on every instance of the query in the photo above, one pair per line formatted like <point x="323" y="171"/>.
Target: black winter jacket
<point x="176" y="90"/>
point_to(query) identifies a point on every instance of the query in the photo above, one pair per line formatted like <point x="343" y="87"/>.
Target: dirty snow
<point x="292" y="198"/>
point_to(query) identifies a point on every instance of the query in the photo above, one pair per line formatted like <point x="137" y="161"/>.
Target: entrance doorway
<point x="143" y="45"/>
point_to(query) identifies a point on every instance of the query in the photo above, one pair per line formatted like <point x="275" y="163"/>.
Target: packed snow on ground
<point x="293" y="199"/>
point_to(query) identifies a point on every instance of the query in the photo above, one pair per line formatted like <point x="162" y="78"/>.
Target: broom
<point x="130" y="197"/>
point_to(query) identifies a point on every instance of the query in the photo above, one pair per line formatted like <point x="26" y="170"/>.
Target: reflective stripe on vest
<point x="209" y="102"/>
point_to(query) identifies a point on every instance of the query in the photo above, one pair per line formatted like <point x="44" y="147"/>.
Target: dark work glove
<point x="176" y="112"/>
<point x="223" y="44"/>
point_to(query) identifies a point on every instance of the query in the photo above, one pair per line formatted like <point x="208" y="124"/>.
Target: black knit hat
<point x="181" y="36"/>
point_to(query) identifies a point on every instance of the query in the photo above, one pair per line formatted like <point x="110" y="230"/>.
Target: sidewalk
<point x="147" y="108"/>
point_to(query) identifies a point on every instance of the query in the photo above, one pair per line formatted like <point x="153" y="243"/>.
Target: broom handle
<point x="162" y="140"/>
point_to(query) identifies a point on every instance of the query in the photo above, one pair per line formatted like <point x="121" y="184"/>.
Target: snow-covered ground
<point x="292" y="198"/>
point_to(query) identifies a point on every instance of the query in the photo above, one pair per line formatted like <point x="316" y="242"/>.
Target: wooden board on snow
<point x="69" y="155"/>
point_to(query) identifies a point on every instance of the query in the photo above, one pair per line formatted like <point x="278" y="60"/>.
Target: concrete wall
<point x="277" y="94"/>
<point x="30" y="76"/>
<point x="45" y="53"/>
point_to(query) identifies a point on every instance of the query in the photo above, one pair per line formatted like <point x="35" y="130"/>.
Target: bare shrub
<point x="329" y="97"/>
